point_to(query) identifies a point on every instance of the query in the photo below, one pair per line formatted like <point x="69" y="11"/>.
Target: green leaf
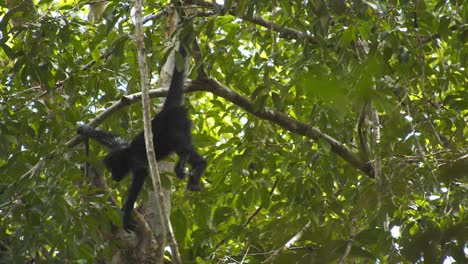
<point x="179" y="223"/>
<point x="222" y="214"/>
<point x="265" y="196"/>
<point x="249" y="198"/>
<point x="347" y="37"/>
<point x="324" y="145"/>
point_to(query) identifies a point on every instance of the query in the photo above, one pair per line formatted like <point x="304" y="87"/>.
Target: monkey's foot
<point x="194" y="185"/>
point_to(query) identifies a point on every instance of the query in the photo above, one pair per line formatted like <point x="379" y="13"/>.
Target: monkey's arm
<point x="105" y="138"/>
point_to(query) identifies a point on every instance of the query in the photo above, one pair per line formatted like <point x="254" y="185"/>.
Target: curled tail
<point x="175" y="96"/>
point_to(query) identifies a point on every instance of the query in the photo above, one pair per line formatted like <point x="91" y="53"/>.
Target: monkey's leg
<point x="138" y="179"/>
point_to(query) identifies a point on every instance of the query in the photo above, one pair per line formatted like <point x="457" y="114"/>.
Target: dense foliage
<point x="400" y="65"/>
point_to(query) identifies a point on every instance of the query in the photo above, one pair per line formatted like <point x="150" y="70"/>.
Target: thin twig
<point x="260" y="207"/>
<point x="150" y="147"/>
<point x="349" y="244"/>
<point x="246" y="223"/>
<point x="288" y="244"/>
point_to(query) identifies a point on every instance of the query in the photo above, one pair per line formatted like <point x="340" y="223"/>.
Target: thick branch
<point x="284" y="121"/>
<point x="274" y="116"/>
<point x="122" y="103"/>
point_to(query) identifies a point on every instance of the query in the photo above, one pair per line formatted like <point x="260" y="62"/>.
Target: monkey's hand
<point x="180" y="173"/>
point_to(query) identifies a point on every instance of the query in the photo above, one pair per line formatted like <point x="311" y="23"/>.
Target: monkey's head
<point x="117" y="163"/>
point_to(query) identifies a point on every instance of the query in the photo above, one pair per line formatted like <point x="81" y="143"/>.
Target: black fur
<point x="171" y="134"/>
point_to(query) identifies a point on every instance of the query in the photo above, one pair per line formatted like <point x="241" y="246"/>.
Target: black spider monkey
<point x="171" y="134"/>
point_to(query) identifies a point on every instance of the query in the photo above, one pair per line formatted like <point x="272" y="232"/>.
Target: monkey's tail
<point x="175" y="96"/>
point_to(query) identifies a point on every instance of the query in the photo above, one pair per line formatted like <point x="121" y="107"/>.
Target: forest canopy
<point x="334" y="131"/>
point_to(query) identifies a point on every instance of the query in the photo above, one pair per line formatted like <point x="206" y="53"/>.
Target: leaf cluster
<point x="319" y="62"/>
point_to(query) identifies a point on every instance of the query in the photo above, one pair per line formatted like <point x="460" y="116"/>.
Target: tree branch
<point x="288" y="244"/>
<point x="279" y="118"/>
<point x="274" y="116"/>
<point x="285" y="32"/>
<point x="247" y="222"/>
<point x="284" y="121"/>
<point x="349" y="244"/>
<point x="148" y="133"/>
